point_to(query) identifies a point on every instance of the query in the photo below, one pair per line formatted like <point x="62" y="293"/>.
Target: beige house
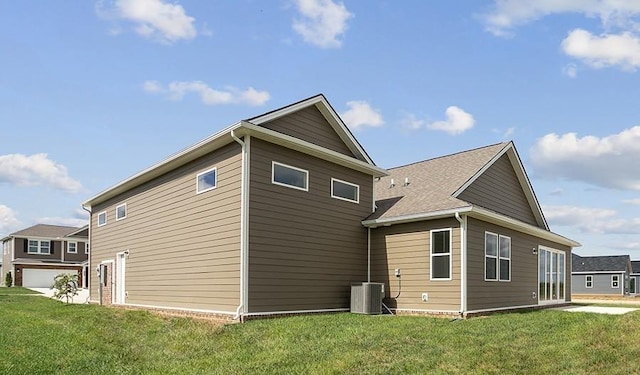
<point x="35" y="255"/>
<point x="276" y="215"/>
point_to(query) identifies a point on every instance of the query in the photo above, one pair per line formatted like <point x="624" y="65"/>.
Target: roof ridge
<point x="450" y="155"/>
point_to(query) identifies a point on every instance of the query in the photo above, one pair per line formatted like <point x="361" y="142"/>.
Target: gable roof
<point x="45" y="230"/>
<point x="635" y="266"/>
<point x="252" y="128"/>
<point x="613" y="263"/>
<point x="430" y="189"/>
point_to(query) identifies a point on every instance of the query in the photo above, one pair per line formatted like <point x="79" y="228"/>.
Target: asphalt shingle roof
<point x="431" y="183"/>
<point x="45" y="230"/>
<point x="599" y="263"/>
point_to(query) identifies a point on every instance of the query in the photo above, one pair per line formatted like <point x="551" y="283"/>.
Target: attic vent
<point x="406" y="181"/>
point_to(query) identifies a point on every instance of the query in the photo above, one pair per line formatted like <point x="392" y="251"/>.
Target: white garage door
<point x="41" y="278"/>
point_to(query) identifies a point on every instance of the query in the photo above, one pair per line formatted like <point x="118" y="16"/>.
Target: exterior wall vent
<point x="366" y="298"/>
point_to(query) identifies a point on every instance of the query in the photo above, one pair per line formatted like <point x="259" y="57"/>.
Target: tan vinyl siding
<point x="407" y="247"/>
<point x="524" y="269"/>
<point x="499" y="190"/>
<point x="305" y="248"/>
<point x="184" y="247"/>
<point x="309" y="125"/>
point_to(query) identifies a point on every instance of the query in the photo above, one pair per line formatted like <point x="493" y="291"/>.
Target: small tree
<point x="66" y="286"/>
<point x="8" y="279"/>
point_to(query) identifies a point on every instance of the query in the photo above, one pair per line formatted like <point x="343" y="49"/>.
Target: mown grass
<point x="42" y="336"/>
<point x="16" y="290"/>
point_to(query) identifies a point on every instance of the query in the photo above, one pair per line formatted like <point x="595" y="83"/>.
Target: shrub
<point x="8" y="280"/>
<point x="66" y="286"/>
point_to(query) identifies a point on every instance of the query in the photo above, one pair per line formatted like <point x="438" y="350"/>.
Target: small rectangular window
<point x="345" y="190"/>
<point x="121" y="211"/>
<point x="207" y="180"/>
<point x="289" y="176"/>
<point x="441" y="254"/>
<point x="615" y="281"/>
<point x="72" y="247"/>
<point x="505" y="258"/>
<point x="45" y="247"/>
<point x="102" y="218"/>
<point x="34" y="247"/>
<point x="588" y="281"/>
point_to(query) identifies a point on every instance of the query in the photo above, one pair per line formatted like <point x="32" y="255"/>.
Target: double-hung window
<point x="588" y="281"/>
<point x="615" y="281"/>
<point x="440" y="258"/>
<point x="72" y="247"/>
<point x="38" y="247"/>
<point x="497" y="257"/>
<point x="286" y="175"/>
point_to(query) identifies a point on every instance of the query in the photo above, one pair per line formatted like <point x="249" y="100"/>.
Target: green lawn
<point x="42" y="336"/>
<point x="16" y="290"/>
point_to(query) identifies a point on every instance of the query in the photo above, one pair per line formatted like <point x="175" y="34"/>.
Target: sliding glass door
<point x="551" y="275"/>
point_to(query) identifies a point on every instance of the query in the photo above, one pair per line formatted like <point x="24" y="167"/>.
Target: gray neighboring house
<point x="601" y="275"/>
<point x="35" y="255"/>
<point x="634" y="279"/>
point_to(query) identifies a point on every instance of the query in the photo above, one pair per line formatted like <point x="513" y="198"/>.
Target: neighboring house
<point x="634" y="279"/>
<point x="35" y="255"/>
<point x="467" y="235"/>
<point x="601" y="275"/>
<point x="273" y="215"/>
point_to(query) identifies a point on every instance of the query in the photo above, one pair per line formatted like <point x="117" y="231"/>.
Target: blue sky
<point x="93" y="92"/>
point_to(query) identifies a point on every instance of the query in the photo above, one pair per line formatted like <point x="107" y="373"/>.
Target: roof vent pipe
<point x="392" y="183"/>
<point x="406" y="181"/>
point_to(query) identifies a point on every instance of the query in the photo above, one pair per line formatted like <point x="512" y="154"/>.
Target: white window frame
<point x="588" y="279"/>
<point x="498" y="257"/>
<point x="105" y="218"/>
<point x="75" y="247"/>
<point x="39" y="247"/>
<point x="215" y="180"/>
<point x="273" y="175"/>
<point x="615" y="279"/>
<point x="125" y="211"/>
<point x="357" y="200"/>
<point x="432" y="255"/>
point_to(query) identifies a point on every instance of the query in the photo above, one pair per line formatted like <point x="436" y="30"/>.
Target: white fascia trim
<point x="295" y="312"/>
<point x="509" y="222"/>
<point x="598" y="272"/>
<point x="522" y="178"/>
<point x="177" y="308"/>
<point x="330" y="115"/>
<point x="309" y="148"/>
<point x="415" y="217"/>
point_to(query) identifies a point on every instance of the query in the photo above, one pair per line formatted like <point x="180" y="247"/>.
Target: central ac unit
<point x="366" y="298"/>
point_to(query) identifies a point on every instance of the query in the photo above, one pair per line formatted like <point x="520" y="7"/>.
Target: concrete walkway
<point x="599" y="309"/>
<point x="82" y="297"/>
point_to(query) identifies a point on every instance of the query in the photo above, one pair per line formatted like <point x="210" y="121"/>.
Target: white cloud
<point x="509" y="14"/>
<point x="154" y="19"/>
<point x="605" y="50"/>
<point x="607" y="162"/>
<point x="635" y="201"/>
<point x="360" y="114"/>
<point x="176" y="90"/>
<point x="37" y="169"/>
<point x="557" y="192"/>
<point x="411" y="122"/>
<point x="458" y="121"/>
<point x="570" y="70"/>
<point x="591" y="220"/>
<point x="8" y="220"/>
<point x="322" y="22"/>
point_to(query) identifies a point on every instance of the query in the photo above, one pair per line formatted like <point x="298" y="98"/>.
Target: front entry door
<point x="551" y="276"/>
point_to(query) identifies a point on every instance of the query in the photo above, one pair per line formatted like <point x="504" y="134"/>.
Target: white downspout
<point x="368" y="255"/>
<point x="89" y="255"/>
<point x="463" y="262"/>
<point x="244" y="238"/>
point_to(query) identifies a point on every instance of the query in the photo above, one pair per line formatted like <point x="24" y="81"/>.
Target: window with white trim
<point x="615" y="281"/>
<point x="588" y="281"/>
<point x="38" y="247"/>
<point x="497" y="257"/>
<point x="440" y="254"/>
<point x="207" y="180"/>
<point x="102" y="218"/>
<point x="121" y="211"/>
<point x="286" y="175"/>
<point x="72" y="247"/>
<point x="345" y="190"/>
